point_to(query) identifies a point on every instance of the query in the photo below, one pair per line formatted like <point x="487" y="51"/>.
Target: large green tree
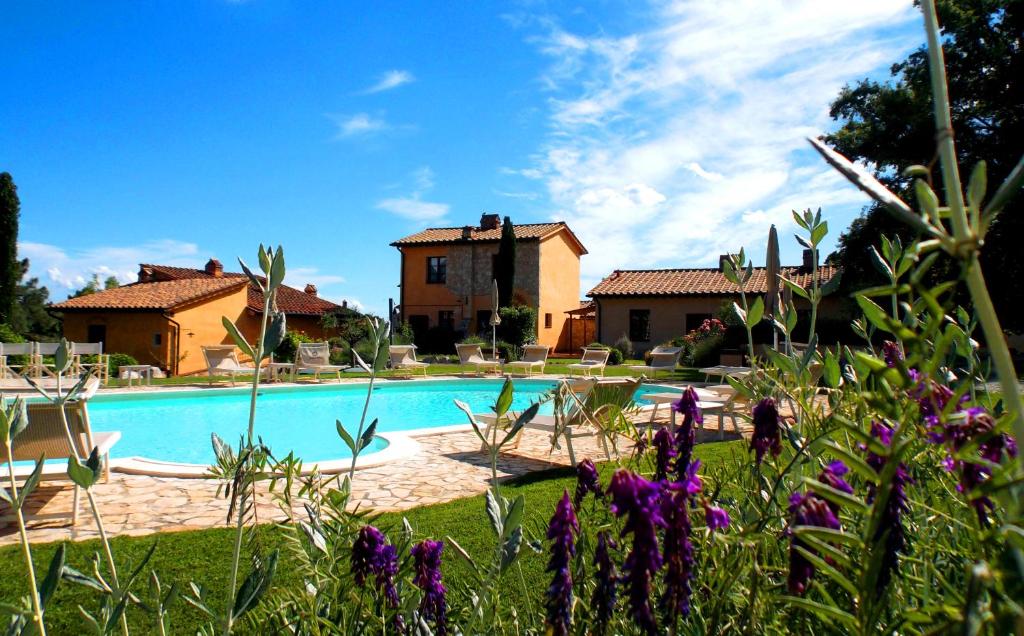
<point x="889" y="125"/>
<point x="505" y="263"/>
<point x="10" y="272"/>
<point x="31" y="317"/>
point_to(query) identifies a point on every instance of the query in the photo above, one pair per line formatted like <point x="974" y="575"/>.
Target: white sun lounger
<point x="471" y="355"/>
<point x="404" y="357"/>
<point x="592" y="360"/>
<point x="222" y="360"/>
<point x="315" y="357"/>
<point x="8" y="350"/>
<point x="47" y="435"/>
<point x="534" y="359"/>
<point x="663" y="360"/>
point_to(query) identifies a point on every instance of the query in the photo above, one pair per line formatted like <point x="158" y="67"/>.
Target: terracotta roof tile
<point x="289" y="299"/>
<point x="701" y="281"/>
<point x="524" y="232"/>
<point x="159" y="295"/>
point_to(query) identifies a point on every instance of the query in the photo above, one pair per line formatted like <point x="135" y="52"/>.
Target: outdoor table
<point x="141" y="371"/>
<point x="707" y="404"/>
<point x="274" y="370"/>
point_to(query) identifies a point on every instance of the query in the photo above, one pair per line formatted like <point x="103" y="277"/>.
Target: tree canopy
<point x="10" y="208"/>
<point x="889" y="125"/>
<point x="505" y="264"/>
<point x="94" y="285"/>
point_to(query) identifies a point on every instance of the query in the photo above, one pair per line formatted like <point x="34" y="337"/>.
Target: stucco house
<point x="171" y="312"/>
<point x="652" y="306"/>
<point x="447" y="276"/>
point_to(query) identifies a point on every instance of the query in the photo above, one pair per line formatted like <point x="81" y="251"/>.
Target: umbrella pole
<point x="494" y="341"/>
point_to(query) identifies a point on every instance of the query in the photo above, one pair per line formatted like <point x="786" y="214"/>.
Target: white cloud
<point x="413" y="209"/>
<point x="299" y="277"/>
<point x="685" y="140"/>
<point x="389" y="80"/>
<point x="66" y="270"/>
<point x="412" y="206"/>
<point x="359" y="124"/>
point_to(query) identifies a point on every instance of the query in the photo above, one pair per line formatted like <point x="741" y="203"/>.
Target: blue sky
<point x="664" y="133"/>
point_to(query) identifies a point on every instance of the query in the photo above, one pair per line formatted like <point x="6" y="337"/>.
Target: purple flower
<point x="603" y="600"/>
<point x="587" y="481"/>
<point x="716" y="518"/>
<point x="891" y="529"/>
<point x="366" y="553"/>
<point x="892" y="353"/>
<point x="562" y="532"/>
<point x="663" y="454"/>
<point x="678" y="556"/>
<point x="372" y="555"/>
<point x="976" y="423"/>
<point x="931" y="396"/>
<point x="688" y="405"/>
<point x="767" y="429"/>
<point x="427" y="576"/>
<point x="639" y="501"/>
<point x="832" y="475"/>
<point x="807" y="510"/>
<point x="686" y="434"/>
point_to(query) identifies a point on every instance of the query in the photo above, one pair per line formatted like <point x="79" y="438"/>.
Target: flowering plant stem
<point x="26" y="549"/>
<point x="965" y="236"/>
<point x="236" y="555"/>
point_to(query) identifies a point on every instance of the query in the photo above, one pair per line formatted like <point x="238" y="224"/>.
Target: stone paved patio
<point x="448" y="466"/>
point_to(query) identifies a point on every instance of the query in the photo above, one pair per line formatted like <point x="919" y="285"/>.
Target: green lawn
<point x="204" y="556"/>
<point x="557" y="366"/>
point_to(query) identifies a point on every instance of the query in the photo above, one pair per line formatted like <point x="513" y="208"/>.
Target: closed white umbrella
<point x="495" y="321"/>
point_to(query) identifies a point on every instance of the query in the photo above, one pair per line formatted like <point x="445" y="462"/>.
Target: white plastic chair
<point x="592" y="360"/>
<point x="472" y="355"/>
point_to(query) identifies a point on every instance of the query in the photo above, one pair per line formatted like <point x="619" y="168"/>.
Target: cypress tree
<point x="10" y="269"/>
<point x="505" y="263"/>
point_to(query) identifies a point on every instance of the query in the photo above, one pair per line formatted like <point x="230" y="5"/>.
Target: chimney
<point x="467" y="232"/>
<point x="145" y="275"/>
<point x="809" y="259"/>
<point x="214" y="268"/>
<point x="344" y="304"/>
<point x="310" y="289"/>
<point x="490" y="221"/>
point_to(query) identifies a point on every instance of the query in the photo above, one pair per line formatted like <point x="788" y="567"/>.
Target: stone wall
<point x="470" y="269"/>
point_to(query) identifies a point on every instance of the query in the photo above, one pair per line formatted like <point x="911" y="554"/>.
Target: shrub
<point x="518" y="325"/>
<point x="286" y="351"/>
<point x="403" y="334"/>
<point x="119" y="360"/>
<point x="8" y="334"/>
<point x="507" y="351"/>
<point x="702" y="345"/>
<point x="477" y="340"/>
<point x="624" y="347"/>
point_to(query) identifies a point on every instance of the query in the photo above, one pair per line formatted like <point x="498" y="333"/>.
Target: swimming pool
<point x="175" y="426"/>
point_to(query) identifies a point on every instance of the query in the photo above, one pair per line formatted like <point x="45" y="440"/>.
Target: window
<point x="446" y="320"/>
<point x="437" y="269"/>
<point x="96" y="333"/>
<point x="640" y="325"/>
<point x="694" y="321"/>
<point x="158" y="339"/>
<point x="547" y="321"/>
<point x="483" y="321"/>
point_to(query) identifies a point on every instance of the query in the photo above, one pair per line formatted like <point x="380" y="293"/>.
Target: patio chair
<point x="222" y="360"/>
<point x="471" y="355"/>
<point x="663" y="359"/>
<point x="100" y="368"/>
<point x="592" y="360"/>
<point x="8" y="367"/>
<point x="315" y="357"/>
<point x="39" y="366"/>
<point x="47" y="435"/>
<point x="578" y="422"/>
<point x="534" y="359"/>
<point x="404" y="357"/>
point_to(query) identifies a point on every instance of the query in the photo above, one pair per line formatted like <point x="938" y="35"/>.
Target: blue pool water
<point x="176" y="427"/>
